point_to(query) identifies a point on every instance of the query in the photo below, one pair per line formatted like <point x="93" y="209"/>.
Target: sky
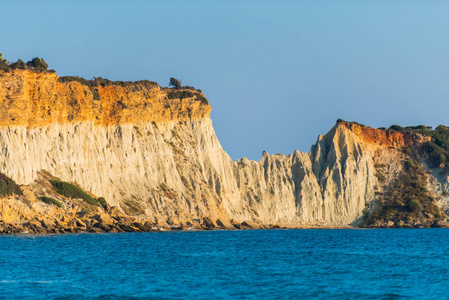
<point x="276" y="73"/>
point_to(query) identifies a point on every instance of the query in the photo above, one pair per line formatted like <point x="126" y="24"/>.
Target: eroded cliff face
<point x="159" y="160"/>
<point x="148" y="154"/>
<point x="330" y="185"/>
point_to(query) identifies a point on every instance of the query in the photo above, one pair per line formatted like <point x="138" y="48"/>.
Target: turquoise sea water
<point x="252" y="264"/>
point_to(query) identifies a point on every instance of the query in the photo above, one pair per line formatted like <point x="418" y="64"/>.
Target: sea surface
<point x="249" y="264"/>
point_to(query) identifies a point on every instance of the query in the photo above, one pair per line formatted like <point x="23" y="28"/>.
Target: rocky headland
<point x="102" y="156"/>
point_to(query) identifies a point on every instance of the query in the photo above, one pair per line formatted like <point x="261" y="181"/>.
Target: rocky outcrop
<point x="386" y="138"/>
<point x="156" y="158"/>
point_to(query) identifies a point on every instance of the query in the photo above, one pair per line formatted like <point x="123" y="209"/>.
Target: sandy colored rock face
<point x="160" y="160"/>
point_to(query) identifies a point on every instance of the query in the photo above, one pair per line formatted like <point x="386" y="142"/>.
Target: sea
<point x="246" y="264"/>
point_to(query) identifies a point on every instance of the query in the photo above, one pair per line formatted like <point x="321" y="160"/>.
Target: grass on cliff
<point x="353" y="122"/>
<point x="8" y="186"/>
<point x="436" y="150"/>
<point x="93" y="84"/>
<point x="36" y="64"/>
<point x="88" y="83"/>
<point x="186" y="93"/>
<point x="407" y="198"/>
<point x="50" y="201"/>
<point x="72" y="191"/>
<point x="132" y="207"/>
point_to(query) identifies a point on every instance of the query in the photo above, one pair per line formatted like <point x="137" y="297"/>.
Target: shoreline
<point x="96" y="230"/>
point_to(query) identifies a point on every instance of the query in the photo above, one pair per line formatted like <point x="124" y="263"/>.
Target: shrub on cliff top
<point x="88" y="83"/>
<point x="181" y="94"/>
<point x="353" y="122"/>
<point x="71" y="191"/>
<point x="396" y="128"/>
<point x="8" y="186"/>
<point x="360" y="124"/>
<point x="99" y="81"/>
<point x="202" y="99"/>
<point x="75" y="78"/>
<point x="3" y="62"/>
<point x="437" y="149"/>
<point x="419" y="127"/>
<point x="38" y="64"/>
<point x="19" y="65"/>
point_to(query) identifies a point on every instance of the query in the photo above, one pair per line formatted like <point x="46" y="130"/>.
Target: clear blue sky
<point x="277" y="73"/>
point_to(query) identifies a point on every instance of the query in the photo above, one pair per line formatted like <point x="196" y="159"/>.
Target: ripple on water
<point x="278" y="264"/>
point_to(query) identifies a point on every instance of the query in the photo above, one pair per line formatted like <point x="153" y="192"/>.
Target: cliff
<point x="152" y="153"/>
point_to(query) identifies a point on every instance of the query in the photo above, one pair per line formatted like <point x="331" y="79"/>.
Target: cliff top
<point x="37" y="97"/>
<point x="386" y="137"/>
<point x="435" y="142"/>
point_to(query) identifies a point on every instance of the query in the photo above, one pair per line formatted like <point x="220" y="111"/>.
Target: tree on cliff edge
<point x="38" y="64"/>
<point x="3" y="62"/>
<point x="175" y="83"/>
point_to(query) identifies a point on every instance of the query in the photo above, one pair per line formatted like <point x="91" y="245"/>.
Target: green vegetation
<point x="409" y="128"/>
<point x="132" y="207"/>
<point x="77" y="79"/>
<point x="380" y="177"/>
<point x="414" y="205"/>
<point x="181" y="94"/>
<point x="396" y="128"/>
<point x="19" y="65"/>
<point x="437" y="149"/>
<point x="407" y="198"/>
<point x="99" y="81"/>
<point x="186" y="92"/>
<point x="353" y="122"/>
<point x="202" y="99"/>
<point x="88" y="83"/>
<point x="40" y="65"/>
<point x="8" y="186"/>
<point x="360" y="124"/>
<point x="36" y="64"/>
<point x="50" y="201"/>
<point x="3" y="63"/>
<point x="101" y="200"/>
<point x="93" y="84"/>
<point x="177" y="84"/>
<point x="168" y="192"/>
<point x="71" y="191"/>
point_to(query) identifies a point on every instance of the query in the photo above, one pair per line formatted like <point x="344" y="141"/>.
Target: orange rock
<point x="388" y="138"/>
<point x="39" y="99"/>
